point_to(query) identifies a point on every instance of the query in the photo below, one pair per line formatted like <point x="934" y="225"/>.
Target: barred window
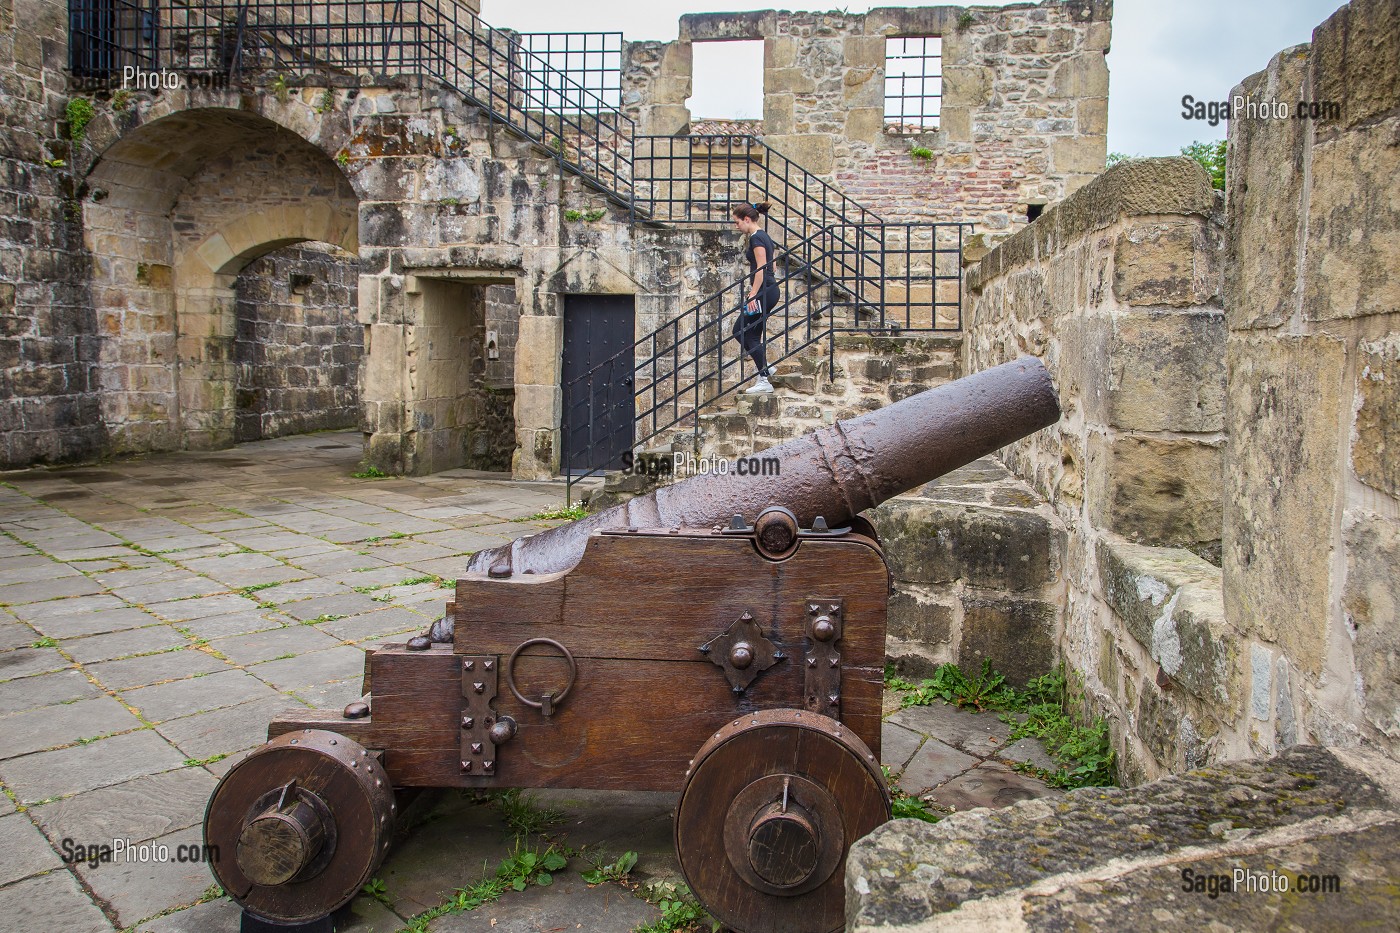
<point x="913" y="84"/>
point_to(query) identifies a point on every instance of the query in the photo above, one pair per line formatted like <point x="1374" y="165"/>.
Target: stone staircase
<point x="870" y="372"/>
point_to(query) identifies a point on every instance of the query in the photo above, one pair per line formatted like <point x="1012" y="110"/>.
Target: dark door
<point x="598" y="370"/>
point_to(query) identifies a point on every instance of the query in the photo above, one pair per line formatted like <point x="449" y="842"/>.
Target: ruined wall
<point x="297" y="348"/>
<point x="1312" y="507"/>
<point x="1024" y="110"/>
<point x="1117" y="290"/>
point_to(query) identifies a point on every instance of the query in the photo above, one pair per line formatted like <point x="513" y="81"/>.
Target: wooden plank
<point x="625" y="724"/>
<point x="652" y="597"/>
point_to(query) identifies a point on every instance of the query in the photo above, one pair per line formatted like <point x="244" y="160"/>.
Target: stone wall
<point x="297" y="347"/>
<point x="1024" y="109"/>
<point x="1312" y="504"/>
<point x="49" y="333"/>
<point x="1116" y="289"/>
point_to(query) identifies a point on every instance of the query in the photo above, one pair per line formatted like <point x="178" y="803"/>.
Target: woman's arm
<point x="760" y="259"/>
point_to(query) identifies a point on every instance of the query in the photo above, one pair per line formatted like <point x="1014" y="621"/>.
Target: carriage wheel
<point x="298" y="827"/>
<point x="771" y="805"/>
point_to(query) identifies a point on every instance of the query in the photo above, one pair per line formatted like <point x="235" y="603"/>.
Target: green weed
<point x="904" y="805"/>
<point x="570" y="512"/>
<point x="679" y="909"/>
<point x="522" y="814"/>
<point x="45" y="642"/>
<point x="516" y="872"/>
<point x="79" y="113"/>
<point x="573" y="215"/>
<point x="201" y="762"/>
<point x="370" y="472"/>
<point x="921" y="152"/>
<point x="613" y="871"/>
<point x="376" y="889"/>
<point x="595" y="215"/>
<point x="1083" y="753"/>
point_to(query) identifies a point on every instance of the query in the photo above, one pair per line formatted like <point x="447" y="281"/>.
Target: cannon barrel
<point x="835" y="472"/>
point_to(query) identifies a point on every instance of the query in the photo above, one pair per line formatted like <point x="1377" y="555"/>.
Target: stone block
<point x="537" y="406"/>
<point x="1169" y="733"/>
<point x="1281" y="473"/>
<point x="1355" y="54"/>
<point x="1154" y="490"/>
<point x="955" y="123"/>
<point x="864" y="52"/>
<point x="384" y="365"/>
<point x="918" y="618"/>
<point x="715" y="27"/>
<point x="1091" y="116"/>
<point x="537" y="349"/>
<point x="777" y="114"/>
<point x="865" y="123"/>
<point x="1165" y="371"/>
<point x="1353" y="225"/>
<point x="664" y="120"/>
<point x="1079" y="154"/>
<point x="1375" y="437"/>
<point x="671" y="89"/>
<point x="1016" y="635"/>
<point x="934" y="542"/>
<point x="1084" y="75"/>
<point x="788" y="81"/>
<point x="1172" y="603"/>
<point x="780" y="52"/>
<point x="1371" y="602"/>
<point x="813" y="152"/>
<point x="968" y="86"/>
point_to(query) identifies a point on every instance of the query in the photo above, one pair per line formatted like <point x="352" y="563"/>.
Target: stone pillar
<point x="538" y="396"/>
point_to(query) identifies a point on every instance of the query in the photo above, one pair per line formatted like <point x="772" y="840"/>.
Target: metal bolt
<point x="779" y="656"/>
<point x="466" y="767"/>
<point x="468" y="722"/>
<point x="834" y="660"/>
<point x="489" y="767"/>
<point x="468" y="665"/>
<point x="489" y="664"/>
<point x="812" y="608"/>
<point x="476" y="748"/>
<point x="834" y="699"/>
<point x="811" y="662"/>
<point x="479" y="687"/>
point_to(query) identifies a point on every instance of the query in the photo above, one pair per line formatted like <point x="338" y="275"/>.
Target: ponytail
<point x="750" y="211"/>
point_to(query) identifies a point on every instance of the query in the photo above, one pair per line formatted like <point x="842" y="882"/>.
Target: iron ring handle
<point x="510" y="673"/>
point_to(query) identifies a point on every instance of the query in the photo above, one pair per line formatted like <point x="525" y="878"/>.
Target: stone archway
<point x="178" y="206"/>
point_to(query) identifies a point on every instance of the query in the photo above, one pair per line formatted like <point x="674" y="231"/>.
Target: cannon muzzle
<point x="835" y="472"/>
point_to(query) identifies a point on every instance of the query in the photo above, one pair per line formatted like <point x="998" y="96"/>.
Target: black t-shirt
<point x="761" y="238"/>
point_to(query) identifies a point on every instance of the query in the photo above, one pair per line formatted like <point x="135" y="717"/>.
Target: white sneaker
<point x="760" y="386"/>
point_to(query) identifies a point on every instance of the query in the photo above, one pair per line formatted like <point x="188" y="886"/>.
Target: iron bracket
<point x="822" y="662"/>
<point x="743" y="652"/>
<point x="479" y="685"/>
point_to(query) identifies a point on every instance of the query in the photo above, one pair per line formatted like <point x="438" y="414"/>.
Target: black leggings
<point x="748" y="328"/>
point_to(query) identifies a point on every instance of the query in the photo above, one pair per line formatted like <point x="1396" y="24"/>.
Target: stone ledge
<point x="1173" y="603"/>
<point x="1175" y="186"/>
<point x="973" y="866"/>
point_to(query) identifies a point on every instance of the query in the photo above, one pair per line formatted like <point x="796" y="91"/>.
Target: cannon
<point x="722" y="637"/>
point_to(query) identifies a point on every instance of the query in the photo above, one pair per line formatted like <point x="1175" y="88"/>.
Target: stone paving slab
<point x="228" y="730"/>
<point x="140" y="809"/>
<point x="24" y="662"/>
<point x="148" y="640"/>
<point x="135" y="890"/>
<point x="933" y="764"/>
<point x="980" y="734"/>
<point x="44" y="690"/>
<point x="23" y="849"/>
<point x="51" y="902"/>
<point x="989" y="785"/>
<point x="86" y="767"/>
<point x="197" y="695"/>
<point x="51" y="726"/>
<point x="897" y="746"/>
<point x="130" y="673"/>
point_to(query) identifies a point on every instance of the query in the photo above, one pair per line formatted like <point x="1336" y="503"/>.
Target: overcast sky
<point x="1162" y="50"/>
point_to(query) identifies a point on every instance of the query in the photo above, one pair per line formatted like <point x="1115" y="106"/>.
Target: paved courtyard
<point x="155" y="613"/>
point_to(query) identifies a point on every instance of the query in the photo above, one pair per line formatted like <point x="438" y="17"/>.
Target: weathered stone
<point x="1171" y="602"/>
<point x="897" y="746"/>
<point x="990" y="784"/>
<point x="929" y="542"/>
<point x="970" y="732"/>
<point x="1367" y="83"/>
<point x="1375" y="438"/>
<point x="1372" y="606"/>
<point x="815" y="153"/>
<point x="1283" y="417"/>
<point x="912" y="617"/>
<point x="1016" y="635"/>
<point x="1156" y="491"/>
<point x="935" y="763"/>
<point x="1164" y="264"/>
<point x="1072" y="154"/>
<point x="1165" y="371"/>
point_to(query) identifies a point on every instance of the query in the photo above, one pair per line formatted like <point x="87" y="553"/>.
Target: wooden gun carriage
<point x="665" y="644"/>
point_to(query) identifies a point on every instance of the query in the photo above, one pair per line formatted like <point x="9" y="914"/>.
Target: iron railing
<point x="333" y="40"/>
<point x="907" y="280"/>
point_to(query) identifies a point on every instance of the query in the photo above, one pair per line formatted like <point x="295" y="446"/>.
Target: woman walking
<point x="761" y="296"/>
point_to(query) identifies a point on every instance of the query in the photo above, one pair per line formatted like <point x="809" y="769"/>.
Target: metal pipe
<point x="835" y="472"/>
